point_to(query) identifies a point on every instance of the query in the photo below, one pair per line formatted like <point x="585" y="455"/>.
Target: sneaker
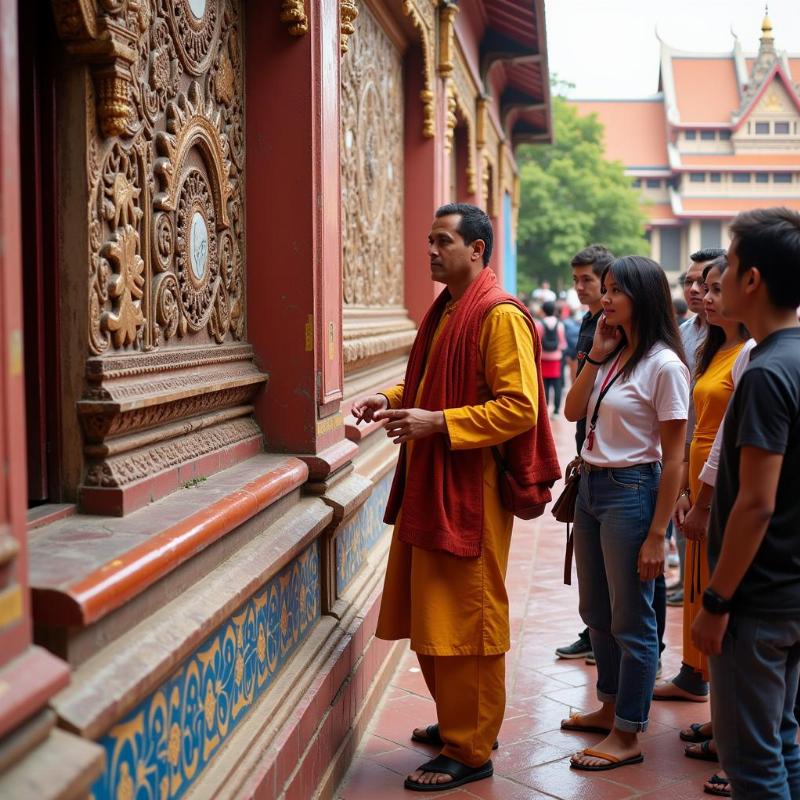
<point x="578" y="649"/>
<point x="590" y="660"/>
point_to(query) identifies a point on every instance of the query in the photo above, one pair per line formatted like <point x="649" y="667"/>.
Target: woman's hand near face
<point x="606" y="340"/>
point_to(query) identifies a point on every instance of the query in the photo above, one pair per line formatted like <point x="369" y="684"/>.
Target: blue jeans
<point x="754" y="685"/>
<point x="612" y="518"/>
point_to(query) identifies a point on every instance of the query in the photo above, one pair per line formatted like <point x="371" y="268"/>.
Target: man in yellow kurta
<point x="454" y="609"/>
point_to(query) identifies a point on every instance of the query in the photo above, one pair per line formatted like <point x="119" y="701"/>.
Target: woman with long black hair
<point x="634" y="391"/>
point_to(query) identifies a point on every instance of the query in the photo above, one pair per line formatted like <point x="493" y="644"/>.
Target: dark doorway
<point x="38" y="50"/>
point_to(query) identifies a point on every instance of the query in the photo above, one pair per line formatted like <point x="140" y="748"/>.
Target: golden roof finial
<point x="766" y="25"/>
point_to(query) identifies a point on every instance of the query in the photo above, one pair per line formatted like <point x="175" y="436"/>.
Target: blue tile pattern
<point x="358" y="536"/>
<point x="160" y="748"/>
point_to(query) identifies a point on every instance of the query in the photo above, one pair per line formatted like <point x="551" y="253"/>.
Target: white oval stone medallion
<point x="198" y="8"/>
<point x="198" y="245"/>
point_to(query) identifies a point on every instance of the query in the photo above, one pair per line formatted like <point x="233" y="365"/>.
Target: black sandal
<point x="460" y="773"/>
<point x="432" y="737"/>
<point x="696" y="737"/>
<point x="722" y="786"/>
<point x="703" y="754"/>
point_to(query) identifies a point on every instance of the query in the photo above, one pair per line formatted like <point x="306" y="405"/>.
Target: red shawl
<point x="441" y="491"/>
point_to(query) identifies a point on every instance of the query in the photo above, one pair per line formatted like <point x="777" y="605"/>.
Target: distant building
<point x="721" y="136"/>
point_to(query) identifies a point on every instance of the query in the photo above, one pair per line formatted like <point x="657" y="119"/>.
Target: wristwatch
<point x="715" y="604"/>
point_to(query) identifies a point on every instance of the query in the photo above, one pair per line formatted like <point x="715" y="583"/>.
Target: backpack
<point x="550" y="338"/>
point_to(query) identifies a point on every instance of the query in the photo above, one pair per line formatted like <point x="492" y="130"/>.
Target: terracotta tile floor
<point x="532" y="761"/>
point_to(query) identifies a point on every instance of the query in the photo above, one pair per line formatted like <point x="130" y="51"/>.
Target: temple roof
<point x="635" y="130"/>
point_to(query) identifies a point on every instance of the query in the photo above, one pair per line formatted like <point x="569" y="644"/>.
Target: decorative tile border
<point x="358" y="536"/>
<point x="161" y="747"/>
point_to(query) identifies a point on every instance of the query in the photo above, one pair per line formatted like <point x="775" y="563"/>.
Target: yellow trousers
<point x="470" y="696"/>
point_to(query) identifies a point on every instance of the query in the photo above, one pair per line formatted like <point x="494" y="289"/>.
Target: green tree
<point x="571" y="196"/>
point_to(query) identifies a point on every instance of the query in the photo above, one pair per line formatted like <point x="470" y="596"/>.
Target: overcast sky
<point x="608" y="48"/>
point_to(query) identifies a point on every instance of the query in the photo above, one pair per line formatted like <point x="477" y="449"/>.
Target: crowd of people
<point x="691" y="432"/>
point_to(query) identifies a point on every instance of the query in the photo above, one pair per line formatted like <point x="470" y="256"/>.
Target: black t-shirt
<point x="765" y="413"/>
<point x="585" y="339"/>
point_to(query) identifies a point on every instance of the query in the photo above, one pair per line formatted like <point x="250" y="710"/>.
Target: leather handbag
<point x="564" y="511"/>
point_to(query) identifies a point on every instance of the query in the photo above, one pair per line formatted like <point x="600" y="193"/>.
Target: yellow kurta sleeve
<point x="509" y="371"/>
<point x="394" y="395"/>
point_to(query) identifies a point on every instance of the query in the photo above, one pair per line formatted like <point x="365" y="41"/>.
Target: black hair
<point x="644" y="282"/>
<point x="596" y="256"/>
<point x="769" y="239"/>
<point x="680" y="306"/>
<point x="707" y="254"/>
<point x="474" y="225"/>
<point x="548" y="308"/>
<point x="715" y="337"/>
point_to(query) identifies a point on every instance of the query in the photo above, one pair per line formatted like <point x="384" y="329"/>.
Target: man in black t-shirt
<point x="587" y="267"/>
<point x="750" y="622"/>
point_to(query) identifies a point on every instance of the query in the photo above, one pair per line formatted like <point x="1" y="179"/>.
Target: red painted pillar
<point x="29" y="676"/>
<point x="424" y="168"/>
<point x="293" y="226"/>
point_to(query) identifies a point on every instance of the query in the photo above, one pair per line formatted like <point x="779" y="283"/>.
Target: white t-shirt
<point x="627" y="431"/>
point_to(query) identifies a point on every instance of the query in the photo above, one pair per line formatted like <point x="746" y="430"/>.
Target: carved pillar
<point x="447" y="20"/>
<point x="421" y="14"/>
<point x="169" y="378"/>
<point x="293" y="211"/>
<point x="348" y="13"/>
<point x="377" y="327"/>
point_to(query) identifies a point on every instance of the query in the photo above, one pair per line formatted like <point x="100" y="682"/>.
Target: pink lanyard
<point x="612" y="375"/>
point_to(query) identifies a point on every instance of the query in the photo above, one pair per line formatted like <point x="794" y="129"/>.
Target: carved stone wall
<point x="165" y="159"/>
<point x="372" y="195"/>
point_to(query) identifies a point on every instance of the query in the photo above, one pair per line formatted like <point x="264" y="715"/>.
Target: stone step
<point x="62" y="767"/>
<point x="108" y="685"/>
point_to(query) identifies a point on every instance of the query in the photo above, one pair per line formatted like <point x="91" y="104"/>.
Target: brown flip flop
<point x="613" y="761"/>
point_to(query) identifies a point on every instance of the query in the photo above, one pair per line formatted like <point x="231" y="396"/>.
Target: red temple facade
<point x="214" y="216"/>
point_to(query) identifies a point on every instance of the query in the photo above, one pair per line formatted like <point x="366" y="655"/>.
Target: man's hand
<point x="406" y="424"/>
<point x="651" y="556"/>
<point x="695" y="526"/>
<point x="364" y="410"/>
<point x="708" y="631"/>
<point x="682" y="508"/>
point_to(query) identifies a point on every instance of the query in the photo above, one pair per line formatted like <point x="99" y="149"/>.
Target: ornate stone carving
<point x="193" y="122"/>
<point x="347" y="15"/>
<point x="451" y="119"/>
<point x="421" y="14"/>
<point x="127" y="468"/>
<point x="372" y="168"/>
<point x="165" y="172"/>
<point x="293" y="13"/>
<point x="447" y="21"/>
<point x="125" y="287"/>
<point x="466" y="94"/>
<point x="106" y="37"/>
<point x="196" y="34"/>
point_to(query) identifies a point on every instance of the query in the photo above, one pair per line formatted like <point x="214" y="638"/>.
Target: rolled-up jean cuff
<point x="605" y="697"/>
<point x="630" y="727"/>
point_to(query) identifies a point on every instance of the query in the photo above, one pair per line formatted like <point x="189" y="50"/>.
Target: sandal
<point x="702" y="753"/>
<point x="577" y="725"/>
<point x="696" y="737"/>
<point x="613" y="761"/>
<point x="433" y="737"/>
<point x="721" y="786"/>
<point x="460" y="773"/>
